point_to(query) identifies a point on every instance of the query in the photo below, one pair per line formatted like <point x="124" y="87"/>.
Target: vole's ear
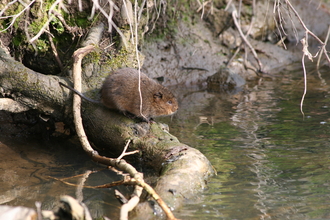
<point x="158" y="95"/>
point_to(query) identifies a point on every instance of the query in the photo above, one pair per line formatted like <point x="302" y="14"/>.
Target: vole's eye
<point x="169" y="102"/>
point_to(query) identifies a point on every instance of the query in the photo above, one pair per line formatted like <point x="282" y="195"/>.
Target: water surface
<point x="272" y="162"/>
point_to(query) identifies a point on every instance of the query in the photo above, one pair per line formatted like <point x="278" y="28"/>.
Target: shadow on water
<point x="29" y="166"/>
<point x="271" y="162"/>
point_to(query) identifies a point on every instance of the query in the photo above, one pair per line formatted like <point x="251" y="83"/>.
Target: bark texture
<point x="177" y="163"/>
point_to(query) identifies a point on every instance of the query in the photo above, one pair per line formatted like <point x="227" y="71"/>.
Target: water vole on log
<point x="120" y="91"/>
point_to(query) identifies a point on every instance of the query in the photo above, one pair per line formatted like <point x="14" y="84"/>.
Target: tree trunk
<point x="109" y="131"/>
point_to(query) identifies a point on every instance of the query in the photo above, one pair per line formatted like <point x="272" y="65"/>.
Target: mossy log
<point x="183" y="170"/>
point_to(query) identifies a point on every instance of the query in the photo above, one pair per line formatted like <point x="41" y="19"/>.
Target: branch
<point x="131" y="204"/>
<point x="323" y="50"/>
<point x="120" y="164"/>
<point x="123" y="165"/>
<point x="124" y="153"/>
<point x="50" y="18"/>
<point x="77" y="57"/>
<point x="246" y="35"/>
<point x="54" y="50"/>
<point x="14" y="16"/>
<point x="306" y="52"/>
<point x="234" y="15"/>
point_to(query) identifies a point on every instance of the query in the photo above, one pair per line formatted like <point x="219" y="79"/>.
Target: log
<point x="176" y="163"/>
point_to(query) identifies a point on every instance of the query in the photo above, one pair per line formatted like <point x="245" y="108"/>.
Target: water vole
<point x="120" y="92"/>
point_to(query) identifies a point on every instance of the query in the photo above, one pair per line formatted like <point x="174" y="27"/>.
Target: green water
<point x="272" y="162"/>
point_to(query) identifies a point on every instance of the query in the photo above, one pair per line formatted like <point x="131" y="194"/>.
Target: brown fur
<point x="120" y="92"/>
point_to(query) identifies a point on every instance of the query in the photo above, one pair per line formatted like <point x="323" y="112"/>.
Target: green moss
<point x="82" y="22"/>
<point x="118" y="60"/>
<point x="94" y="57"/>
<point x="80" y="19"/>
<point x="167" y="24"/>
<point x="38" y="16"/>
<point x="58" y="26"/>
<point x="17" y="39"/>
<point x="11" y="10"/>
<point x="42" y="45"/>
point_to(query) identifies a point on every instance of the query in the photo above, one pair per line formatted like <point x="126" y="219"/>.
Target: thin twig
<point x="70" y="29"/>
<point x="141" y="10"/>
<point x="130" y="22"/>
<point x="54" y="50"/>
<point x="306" y="53"/>
<point x="7" y="6"/>
<point x="246" y="35"/>
<point x="51" y="16"/>
<point x="295" y="31"/>
<point x="124" y="153"/>
<point x="138" y="57"/>
<point x="123" y="165"/>
<point x="279" y="23"/>
<point x="126" y="181"/>
<point x="323" y="48"/>
<point x="15" y="16"/>
<point x="234" y="15"/>
<point x="228" y="5"/>
<point x="308" y="31"/>
<point x="120" y="197"/>
<point x="38" y="206"/>
<point x="120" y="164"/>
<point x="26" y="31"/>
<point x="305" y="86"/>
<point x="111" y="24"/>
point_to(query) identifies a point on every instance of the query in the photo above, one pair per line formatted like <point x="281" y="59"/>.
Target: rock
<point x="225" y="80"/>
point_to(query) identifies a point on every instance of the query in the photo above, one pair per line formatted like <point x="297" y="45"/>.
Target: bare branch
<point x="124" y="153"/>
<point x="53" y="11"/>
<point x="128" y="15"/>
<point x="131" y="204"/>
<point x="306" y="53"/>
<point x="14" y="16"/>
<point x="54" y="50"/>
<point x="234" y="15"/>
<point x="7" y="6"/>
<point x="77" y="56"/>
<point x="279" y="22"/>
<point x="120" y="164"/>
<point x="323" y="50"/>
<point x="305" y="50"/>
<point x="246" y="35"/>
<point x="51" y="16"/>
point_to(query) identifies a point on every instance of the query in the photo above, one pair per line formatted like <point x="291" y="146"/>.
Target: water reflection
<point x="272" y="162"/>
<point x="28" y="169"/>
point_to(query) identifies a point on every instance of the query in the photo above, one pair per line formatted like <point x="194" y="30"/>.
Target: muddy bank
<point x="193" y="53"/>
<point x="196" y="50"/>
